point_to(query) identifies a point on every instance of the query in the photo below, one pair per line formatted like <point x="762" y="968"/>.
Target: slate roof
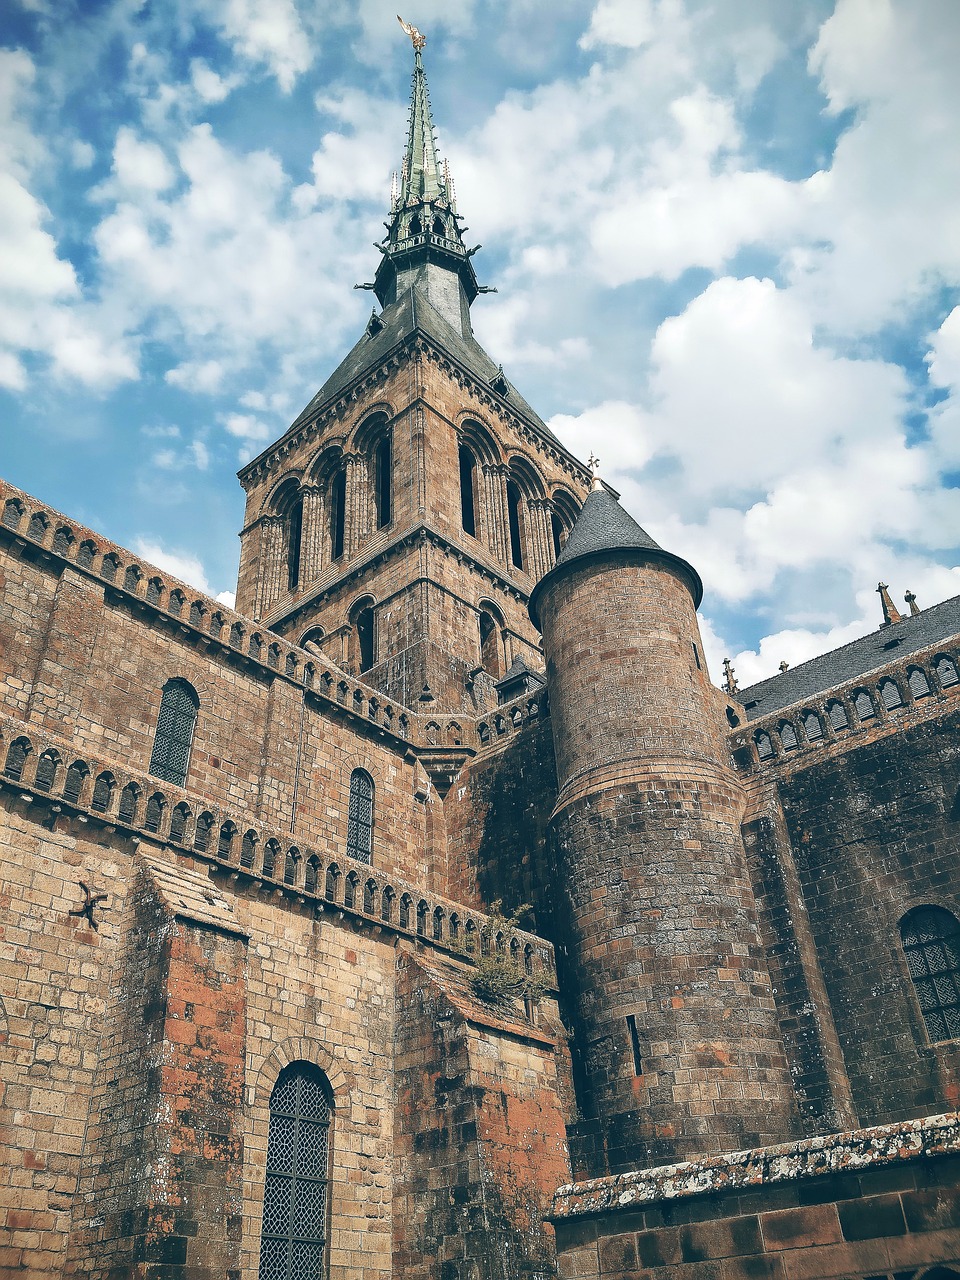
<point x="938" y="623"/>
<point x="412" y="313"/>
<point x="601" y="526"/>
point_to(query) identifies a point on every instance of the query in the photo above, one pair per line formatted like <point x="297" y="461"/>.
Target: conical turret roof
<point x="604" y="528"/>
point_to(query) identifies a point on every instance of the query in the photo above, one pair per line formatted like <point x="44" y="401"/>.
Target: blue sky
<point x="725" y="239"/>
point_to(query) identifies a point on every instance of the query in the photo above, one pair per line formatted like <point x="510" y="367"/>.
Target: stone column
<point x="312" y="534"/>
<point x="271" y="563"/>
<point x="540" y="544"/>
<point x="494" y="507"/>
<point x="356" y="524"/>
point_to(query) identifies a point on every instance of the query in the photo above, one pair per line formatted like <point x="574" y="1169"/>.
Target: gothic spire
<point x="422" y="179"/>
<point x="424" y="245"/>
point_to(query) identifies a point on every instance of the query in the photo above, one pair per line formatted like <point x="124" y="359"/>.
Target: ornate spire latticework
<point x="421" y="178"/>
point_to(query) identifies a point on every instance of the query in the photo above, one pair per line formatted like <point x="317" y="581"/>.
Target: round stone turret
<point x="676" y="1026"/>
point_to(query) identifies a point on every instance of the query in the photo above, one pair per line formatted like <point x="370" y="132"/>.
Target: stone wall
<point x="880" y="1203"/>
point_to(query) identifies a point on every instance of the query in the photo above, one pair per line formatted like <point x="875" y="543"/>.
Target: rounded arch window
<point x="468" y="497"/>
<point x="176" y="723"/>
<point x="296" y="1193"/>
<point x="515" y="522"/>
<point x="363" y="635"/>
<point x="491" y="643"/>
<point x="360" y="817"/>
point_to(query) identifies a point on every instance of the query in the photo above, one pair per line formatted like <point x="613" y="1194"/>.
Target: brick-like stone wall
<point x="479" y="1135"/>
<point x="879" y="1203"/>
<point x="873" y="832"/>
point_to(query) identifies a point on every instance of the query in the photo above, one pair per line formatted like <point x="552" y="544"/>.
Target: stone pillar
<point x="356" y="524"/>
<point x="270" y="577"/>
<point x="539" y="541"/>
<point x="313" y="533"/>
<point x="494" y="523"/>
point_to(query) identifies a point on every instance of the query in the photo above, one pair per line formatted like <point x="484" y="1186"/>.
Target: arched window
<point x="931" y="944"/>
<point x="271" y="852"/>
<point x="248" y="849"/>
<point x="812" y="726"/>
<point x="155" y="807"/>
<point x="46" y="770"/>
<point x="919" y="684"/>
<point x="863" y="704"/>
<point x="175" y="725"/>
<point x="837" y="715"/>
<point x="558" y="533"/>
<point x="468" y="509"/>
<point x="201" y="832"/>
<point x="296" y="1188"/>
<point x="383" y="480"/>
<point x="338" y="513"/>
<point x="129" y="803"/>
<point x="788" y="736"/>
<point x="103" y="792"/>
<point x="890" y="693"/>
<point x="360" y="817"/>
<point x="16" y="759"/>
<point x="946" y="671"/>
<point x="491" y="645"/>
<point x="365" y="637"/>
<point x="294" y="530"/>
<point x="764" y="746"/>
<point x="515" y="520"/>
<point x="73" y="783"/>
<point x="178" y="823"/>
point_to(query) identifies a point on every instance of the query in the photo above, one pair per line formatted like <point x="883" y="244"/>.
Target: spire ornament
<point x="417" y="38"/>
<point x="730" y="677"/>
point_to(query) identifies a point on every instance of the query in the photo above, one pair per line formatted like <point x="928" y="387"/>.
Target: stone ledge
<point x="808" y="1158"/>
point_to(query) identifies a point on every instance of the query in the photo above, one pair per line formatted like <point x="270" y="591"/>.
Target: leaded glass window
<point x="295" y="1195"/>
<point x="360" y="817"/>
<point x="175" y="725"/>
<point x="931" y="943"/>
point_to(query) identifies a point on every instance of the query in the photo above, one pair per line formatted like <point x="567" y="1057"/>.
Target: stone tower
<point x="403" y="519"/>
<point x="676" y="1025"/>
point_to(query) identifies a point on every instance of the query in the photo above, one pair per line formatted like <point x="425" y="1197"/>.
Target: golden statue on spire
<point x="418" y="39"/>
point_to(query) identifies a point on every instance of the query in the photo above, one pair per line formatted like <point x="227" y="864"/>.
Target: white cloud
<point x="209" y="86"/>
<point x="140" y="164"/>
<point x="184" y="565"/>
<point x="204" y="376"/>
<point x="246" y="427"/>
<point x="886" y="210"/>
<point x="265" y="32"/>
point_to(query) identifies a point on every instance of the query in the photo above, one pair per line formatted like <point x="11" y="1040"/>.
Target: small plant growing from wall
<point x="500" y="973"/>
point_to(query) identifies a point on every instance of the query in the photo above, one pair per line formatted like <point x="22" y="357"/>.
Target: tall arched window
<point x="360" y="817"/>
<point x="363" y="639"/>
<point x="383" y="480"/>
<point x="515" y="520"/>
<point x="468" y="510"/>
<point x="931" y="943"/>
<point x="175" y="725"/>
<point x="296" y="1189"/>
<point x="294" y="531"/>
<point x="491" y="645"/>
<point x="338" y="513"/>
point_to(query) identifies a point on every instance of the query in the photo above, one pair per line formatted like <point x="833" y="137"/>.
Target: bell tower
<point x="402" y="521"/>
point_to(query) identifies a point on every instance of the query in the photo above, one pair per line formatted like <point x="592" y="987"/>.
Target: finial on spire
<point x="593" y="462"/>
<point x="784" y="666"/>
<point x="729" y="677"/>
<point x="891" y="613"/>
<point x="911" y="600"/>
<point x="416" y="37"/>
